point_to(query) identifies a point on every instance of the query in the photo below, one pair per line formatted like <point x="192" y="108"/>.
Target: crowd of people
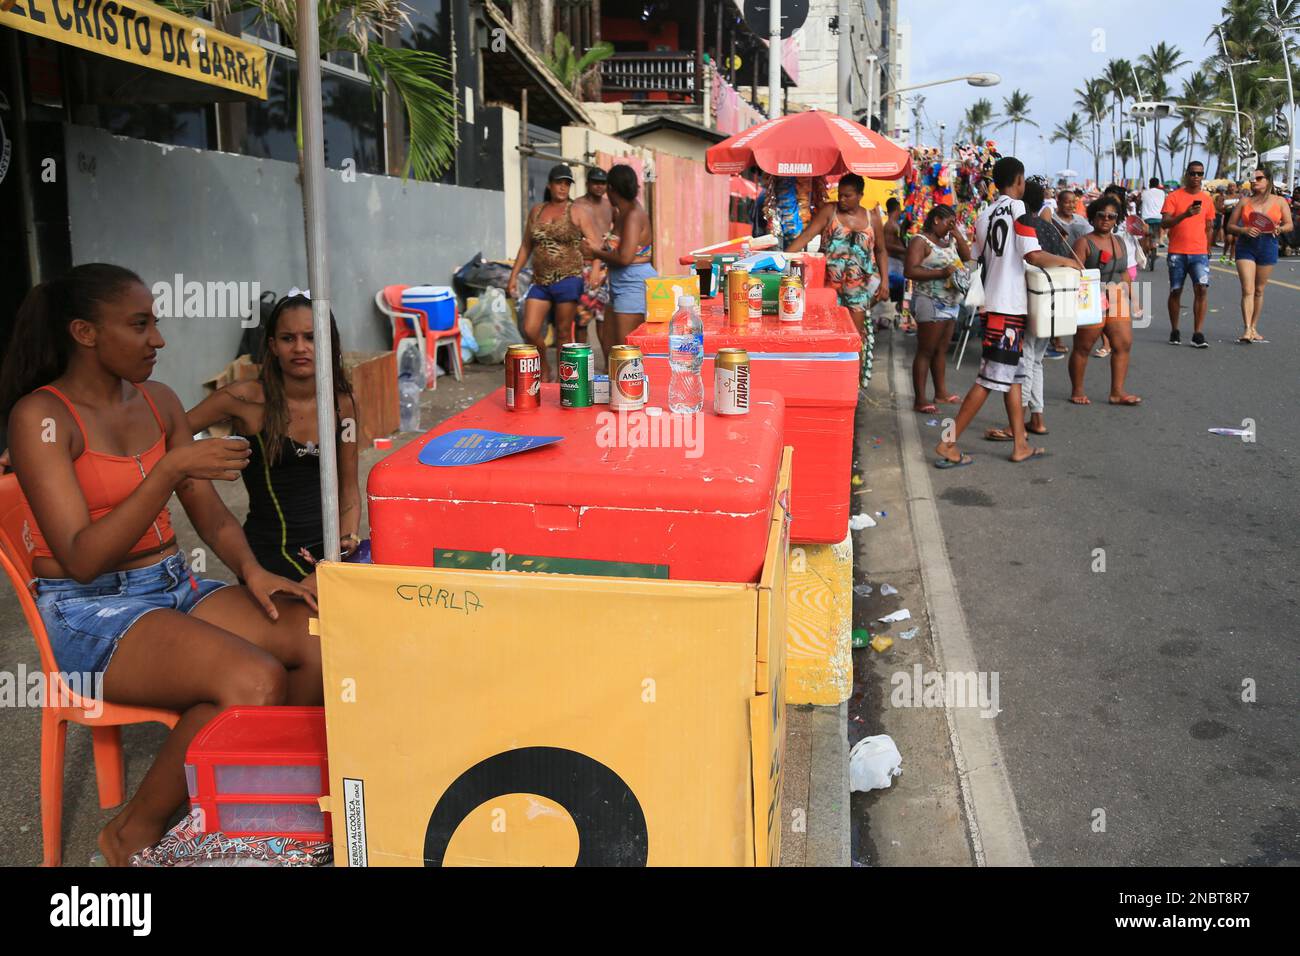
<point x="1029" y="223"/>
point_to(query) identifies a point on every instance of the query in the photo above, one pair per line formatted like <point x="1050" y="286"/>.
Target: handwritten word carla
<point x="426" y="596"/>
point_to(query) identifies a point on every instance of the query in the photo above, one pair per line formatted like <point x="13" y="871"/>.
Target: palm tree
<point x="1016" y="111"/>
<point x="1118" y="77"/>
<point x="1173" y="144"/>
<point x="1162" y="61"/>
<point x="422" y="80"/>
<point x="569" y="67"/>
<point x="978" y="115"/>
<point x="1197" y="90"/>
<point x="1126" y="149"/>
<point x="1071" y="131"/>
<point x="1092" y="103"/>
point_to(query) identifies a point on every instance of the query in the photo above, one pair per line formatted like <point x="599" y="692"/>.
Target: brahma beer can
<point x="754" y="298"/>
<point x="731" y="382"/>
<point x="523" y="378"/>
<point x="790" y="299"/>
<point x="627" y="385"/>
<point x="576" y="376"/>
<point x="738" y="296"/>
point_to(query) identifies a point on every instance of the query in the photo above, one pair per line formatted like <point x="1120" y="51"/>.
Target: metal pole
<point x="23" y="164"/>
<point x="774" y="60"/>
<point x="1290" y="97"/>
<point x="318" y="276"/>
<point x="523" y="154"/>
<point x="871" y="88"/>
<point x="1236" y="119"/>
<point x="844" y="77"/>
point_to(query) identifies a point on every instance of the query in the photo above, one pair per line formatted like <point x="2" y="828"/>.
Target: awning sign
<point x="140" y="32"/>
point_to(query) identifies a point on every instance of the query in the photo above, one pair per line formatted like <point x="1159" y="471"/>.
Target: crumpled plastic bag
<point x="494" y="327"/>
<point x="468" y="344"/>
<point x="873" y="763"/>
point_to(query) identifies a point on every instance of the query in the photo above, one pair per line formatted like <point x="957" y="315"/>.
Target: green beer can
<point x="576" y="373"/>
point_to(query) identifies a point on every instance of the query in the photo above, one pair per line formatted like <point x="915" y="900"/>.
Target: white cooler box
<point x="1053" y="300"/>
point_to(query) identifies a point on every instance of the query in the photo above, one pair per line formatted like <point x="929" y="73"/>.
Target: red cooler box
<point x="814" y="365"/>
<point x="634" y="495"/>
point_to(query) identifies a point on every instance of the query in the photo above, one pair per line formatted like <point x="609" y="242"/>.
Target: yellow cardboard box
<point x="661" y="294"/>
<point x="502" y="718"/>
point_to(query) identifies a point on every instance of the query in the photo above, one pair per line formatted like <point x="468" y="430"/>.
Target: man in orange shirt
<point x="1188" y="217"/>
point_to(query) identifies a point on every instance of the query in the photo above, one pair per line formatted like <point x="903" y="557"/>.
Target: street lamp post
<point x="1290" y="97"/>
<point x="974" y="79"/>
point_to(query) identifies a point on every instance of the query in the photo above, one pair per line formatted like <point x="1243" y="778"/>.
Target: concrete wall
<point x="675" y="143"/>
<point x="218" y="217"/>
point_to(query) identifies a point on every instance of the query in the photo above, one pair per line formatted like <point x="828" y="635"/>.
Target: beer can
<point x="790" y="299"/>
<point x="627" y="384"/>
<point x="738" y="296"/>
<point x="754" y="298"/>
<point x="576" y="375"/>
<point x="731" y="382"/>
<point x="600" y="390"/>
<point x="523" y="378"/>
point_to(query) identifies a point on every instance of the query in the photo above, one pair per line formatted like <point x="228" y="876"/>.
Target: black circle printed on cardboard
<point x="609" y="819"/>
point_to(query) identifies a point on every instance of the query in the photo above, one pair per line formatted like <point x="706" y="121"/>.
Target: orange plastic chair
<point x="413" y="322"/>
<point x="62" y="705"/>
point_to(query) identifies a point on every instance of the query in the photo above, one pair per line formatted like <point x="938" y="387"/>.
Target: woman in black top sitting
<point x="277" y="412"/>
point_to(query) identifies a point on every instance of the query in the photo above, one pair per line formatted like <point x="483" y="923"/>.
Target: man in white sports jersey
<point x="1003" y="244"/>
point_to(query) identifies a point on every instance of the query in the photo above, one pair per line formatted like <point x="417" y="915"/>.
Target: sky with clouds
<point x="1045" y="48"/>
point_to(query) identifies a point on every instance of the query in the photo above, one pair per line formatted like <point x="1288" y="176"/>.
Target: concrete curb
<point x="997" y="836"/>
<point x="828" y="790"/>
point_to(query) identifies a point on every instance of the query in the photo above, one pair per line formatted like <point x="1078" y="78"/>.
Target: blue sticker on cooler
<point x="473" y="446"/>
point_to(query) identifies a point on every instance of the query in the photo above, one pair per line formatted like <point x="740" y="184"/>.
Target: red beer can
<point x="523" y="378"/>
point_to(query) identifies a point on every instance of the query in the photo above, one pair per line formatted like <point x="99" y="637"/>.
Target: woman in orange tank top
<point x="99" y="450"/>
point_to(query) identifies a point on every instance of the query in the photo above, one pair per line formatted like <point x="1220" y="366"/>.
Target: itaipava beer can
<point x="731" y="382"/>
<point x="627" y="384"/>
<point x="523" y="378"/>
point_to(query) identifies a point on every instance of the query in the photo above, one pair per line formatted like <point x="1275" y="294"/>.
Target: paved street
<point x="1122" y="691"/>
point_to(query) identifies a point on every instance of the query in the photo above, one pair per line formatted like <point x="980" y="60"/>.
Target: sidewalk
<point x="815" y="774"/>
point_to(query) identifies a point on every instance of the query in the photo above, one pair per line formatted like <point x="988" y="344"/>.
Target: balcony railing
<point x="649" y="73"/>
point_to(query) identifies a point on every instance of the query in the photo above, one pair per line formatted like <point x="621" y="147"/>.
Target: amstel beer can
<point x="754" y="298"/>
<point x="790" y="299"/>
<point x="738" y="296"/>
<point x="523" y="378"/>
<point x="627" y="385"/>
<point x="576" y="376"/>
<point x="731" y="382"/>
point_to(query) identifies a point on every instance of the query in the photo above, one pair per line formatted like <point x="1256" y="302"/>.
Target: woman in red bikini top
<point x="99" y="450"/>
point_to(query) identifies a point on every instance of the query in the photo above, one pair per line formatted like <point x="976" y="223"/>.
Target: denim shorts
<point x="85" y="621"/>
<point x="566" y="290"/>
<point x="1262" y="250"/>
<point x="926" y="309"/>
<point x="627" y="287"/>
<point x="1180" y="264"/>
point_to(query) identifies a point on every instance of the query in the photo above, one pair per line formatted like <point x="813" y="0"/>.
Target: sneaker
<point x="1198" y="341"/>
<point x="1175" y="338"/>
<point x="1054" y="354"/>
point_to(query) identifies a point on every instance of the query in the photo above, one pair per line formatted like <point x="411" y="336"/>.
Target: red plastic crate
<point x="579" y="507"/>
<point x="814" y="364"/>
<point x="259" y="772"/>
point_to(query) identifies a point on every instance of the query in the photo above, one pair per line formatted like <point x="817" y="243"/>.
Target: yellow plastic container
<point x="503" y="718"/>
<point x="661" y="294"/>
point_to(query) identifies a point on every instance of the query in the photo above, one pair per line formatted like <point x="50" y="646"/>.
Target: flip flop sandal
<point x="946" y="463"/>
<point x="951" y="400"/>
<point x="998" y="434"/>
<point x="927" y="410"/>
<point x="1086" y="401"/>
<point x="1245" y="340"/>
<point x="1037" y="453"/>
<point x="1135" y="401"/>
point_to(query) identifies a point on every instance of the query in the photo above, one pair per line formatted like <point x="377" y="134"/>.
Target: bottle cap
<point x="685" y="300"/>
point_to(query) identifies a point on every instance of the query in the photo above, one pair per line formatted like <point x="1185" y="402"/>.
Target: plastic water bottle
<point x="686" y="356"/>
<point x="409" y="376"/>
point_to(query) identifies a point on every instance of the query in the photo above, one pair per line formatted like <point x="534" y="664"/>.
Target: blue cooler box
<point x="437" y="302"/>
